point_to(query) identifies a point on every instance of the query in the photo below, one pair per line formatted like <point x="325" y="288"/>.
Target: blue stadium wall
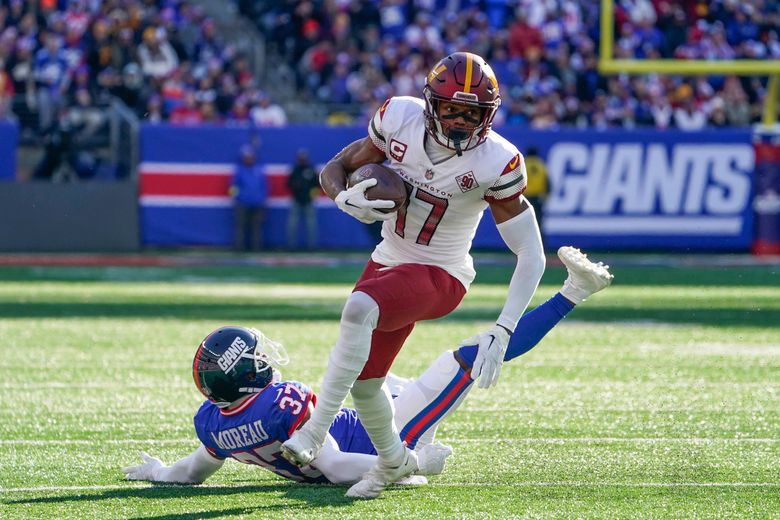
<point x="614" y="189"/>
<point x="9" y="135"/>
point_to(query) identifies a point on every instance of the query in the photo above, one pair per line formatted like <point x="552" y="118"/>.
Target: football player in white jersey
<point x="454" y="167"/>
<point x="250" y="410"/>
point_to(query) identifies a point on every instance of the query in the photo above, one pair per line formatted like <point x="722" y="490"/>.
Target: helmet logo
<point x="436" y="71"/>
<point x="231" y="356"/>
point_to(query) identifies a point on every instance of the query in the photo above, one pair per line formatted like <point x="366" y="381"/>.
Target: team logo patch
<point x="397" y="150"/>
<point x="467" y="182"/>
<point x="512" y="165"/>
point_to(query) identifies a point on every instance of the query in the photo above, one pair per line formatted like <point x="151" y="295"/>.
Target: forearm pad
<point x="521" y="234"/>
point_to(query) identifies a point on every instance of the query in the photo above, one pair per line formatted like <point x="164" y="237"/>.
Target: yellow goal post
<point x="608" y="65"/>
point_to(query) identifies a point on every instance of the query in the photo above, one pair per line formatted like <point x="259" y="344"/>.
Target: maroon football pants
<point x="406" y="294"/>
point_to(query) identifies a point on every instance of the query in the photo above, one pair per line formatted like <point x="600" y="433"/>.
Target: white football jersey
<point x="446" y="200"/>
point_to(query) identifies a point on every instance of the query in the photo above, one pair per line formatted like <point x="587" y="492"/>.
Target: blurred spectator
<point x="50" y="71"/>
<point x="303" y="182"/>
<point x="131" y="89"/>
<point x="267" y="113"/>
<point x="82" y="116"/>
<point x="188" y="113"/>
<point x="156" y="55"/>
<point x="249" y="192"/>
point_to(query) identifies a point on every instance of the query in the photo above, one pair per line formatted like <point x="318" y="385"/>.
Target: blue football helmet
<point x="233" y="362"/>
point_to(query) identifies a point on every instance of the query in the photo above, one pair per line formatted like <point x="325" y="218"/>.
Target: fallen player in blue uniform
<point x="250" y="412"/>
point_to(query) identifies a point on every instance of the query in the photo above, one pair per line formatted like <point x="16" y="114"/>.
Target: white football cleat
<point x="432" y="457"/>
<point x="585" y="277"/>
<point x="380" y="476"/>
<point x="412" y="480"/>
<point x="300" y="449"/>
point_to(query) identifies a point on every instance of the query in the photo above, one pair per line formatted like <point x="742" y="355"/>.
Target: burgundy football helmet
<point x="465" y="79"/>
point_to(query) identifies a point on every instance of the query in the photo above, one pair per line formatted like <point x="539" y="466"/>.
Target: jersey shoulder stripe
<point x="511" y="183"/>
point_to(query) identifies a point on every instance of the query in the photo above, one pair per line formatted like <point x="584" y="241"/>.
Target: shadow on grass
<point x="731" y="276"/>
<point x="721" y="316"/>
<point x="307" y="495"/>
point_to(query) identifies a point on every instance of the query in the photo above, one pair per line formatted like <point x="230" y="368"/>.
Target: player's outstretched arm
<point x="192" y="469"/>
<point x="517" y="225"/>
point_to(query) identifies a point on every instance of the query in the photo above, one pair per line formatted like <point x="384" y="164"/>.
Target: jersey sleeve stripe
<point x="376" y="132"/>
<point x="508" y="184"/>
<point x="377" y="139"/>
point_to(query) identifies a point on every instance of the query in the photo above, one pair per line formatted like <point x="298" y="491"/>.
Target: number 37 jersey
<point x="254" y="431"/>
<point x="446" y="200"/>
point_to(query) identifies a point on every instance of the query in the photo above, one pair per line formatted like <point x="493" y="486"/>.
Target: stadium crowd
<point x="544" y="53"/>
<point x="61" y="60"/>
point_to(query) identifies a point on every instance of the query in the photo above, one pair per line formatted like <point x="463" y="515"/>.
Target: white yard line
<point x="574" y="483"/>
<point x="557" y="440"/>
<point x="528" y="440"/>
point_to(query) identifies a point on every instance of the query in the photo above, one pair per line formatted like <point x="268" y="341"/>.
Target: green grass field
<point x="658" y="398"/>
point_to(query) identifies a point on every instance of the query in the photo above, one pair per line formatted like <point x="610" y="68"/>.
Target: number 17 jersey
<point x="447" y="199"/>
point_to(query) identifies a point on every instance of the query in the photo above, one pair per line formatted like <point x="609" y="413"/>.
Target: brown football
<point x="389" y="186"/>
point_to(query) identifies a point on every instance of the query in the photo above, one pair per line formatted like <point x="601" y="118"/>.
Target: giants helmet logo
<point x="467" y="182"/>
<point x="397" y="150"/>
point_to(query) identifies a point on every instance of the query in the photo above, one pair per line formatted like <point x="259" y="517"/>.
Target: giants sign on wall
<point x="642" y="189"/>
<point x="650" y="194"/>
<point x="613" y="189"/>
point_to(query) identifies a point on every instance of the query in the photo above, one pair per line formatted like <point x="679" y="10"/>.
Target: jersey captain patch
<point x="397" y="150"/>
<point x="467" y="182"/>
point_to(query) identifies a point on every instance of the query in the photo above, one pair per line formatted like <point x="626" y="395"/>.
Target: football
<point x="389" y="185"/>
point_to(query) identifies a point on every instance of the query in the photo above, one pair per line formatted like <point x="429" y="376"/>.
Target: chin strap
<point x="457" y="147"/>
<point x="456" y="136"/>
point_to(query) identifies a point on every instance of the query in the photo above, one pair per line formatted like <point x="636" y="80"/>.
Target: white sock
<point x="349" y="356"/>
<point x="374" y="405"/>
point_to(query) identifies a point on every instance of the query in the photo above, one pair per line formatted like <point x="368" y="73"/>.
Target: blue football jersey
<point x="350" y="434"/>
<point x="254" y="432"/>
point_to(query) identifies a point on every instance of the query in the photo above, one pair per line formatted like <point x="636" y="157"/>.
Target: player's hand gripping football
<point x="353" y="201"/>
<point x="145" y="471"/>
<point x="492" y="346"/>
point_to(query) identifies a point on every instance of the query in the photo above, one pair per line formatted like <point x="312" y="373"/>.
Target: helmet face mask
<point x="235" y="362"/>
<point x="462" y="80"/>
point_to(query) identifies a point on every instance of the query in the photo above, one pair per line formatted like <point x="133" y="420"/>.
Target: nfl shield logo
<point x="467" y="182"/>
<point x="429" y="174"/>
